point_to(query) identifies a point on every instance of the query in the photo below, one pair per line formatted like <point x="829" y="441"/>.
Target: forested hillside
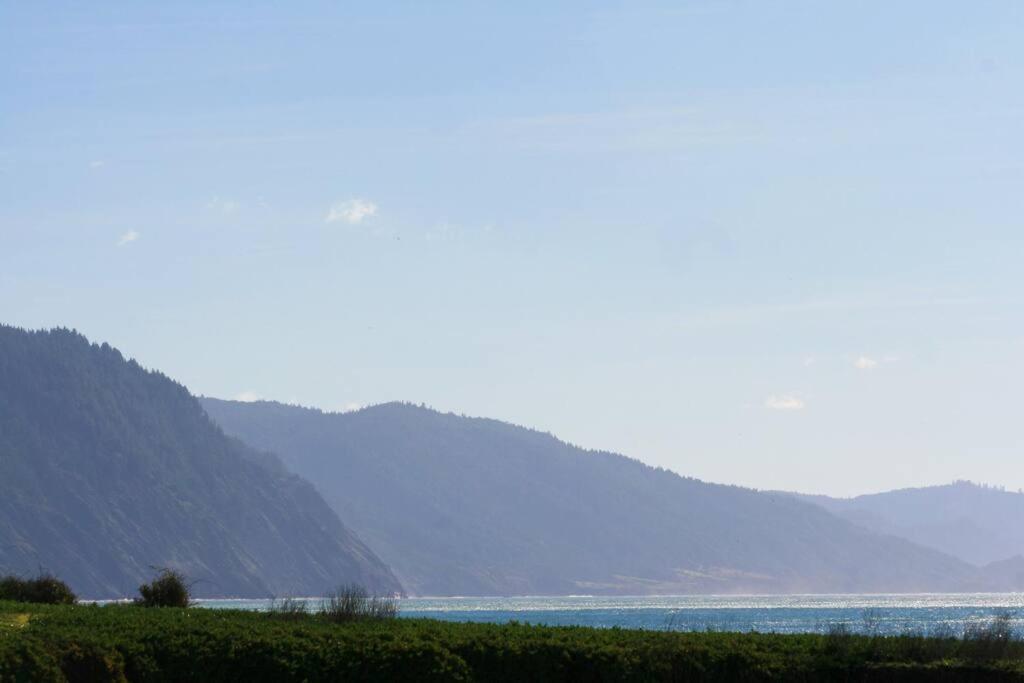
<point x="108" y="470"/>
<point x="474" y="506"/>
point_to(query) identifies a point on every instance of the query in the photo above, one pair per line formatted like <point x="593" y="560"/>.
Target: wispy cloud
<point x="865" y="363"/>
<point x="128" y="238"/>
<point x="98" y="163"/>
<point x="784" y="402"/>
<point x="248" y="397"/>
<point x="351" y="211"/>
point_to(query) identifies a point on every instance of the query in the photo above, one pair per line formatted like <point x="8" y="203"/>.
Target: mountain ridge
<point x="431" y="491"/>
<point x="109" y="470"/>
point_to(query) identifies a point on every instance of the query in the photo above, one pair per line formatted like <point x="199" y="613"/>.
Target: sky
<point x="770" y="244"/>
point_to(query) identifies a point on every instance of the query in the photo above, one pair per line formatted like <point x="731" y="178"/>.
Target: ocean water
<point x="883" y="614"/>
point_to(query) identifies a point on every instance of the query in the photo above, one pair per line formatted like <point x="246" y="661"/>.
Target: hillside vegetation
<point x="108" y="470"/>
<point x="469" y="506"/>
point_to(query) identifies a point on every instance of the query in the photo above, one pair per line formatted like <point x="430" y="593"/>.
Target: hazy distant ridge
<point x="474" y="506"/>
<point x="978" y="524"/>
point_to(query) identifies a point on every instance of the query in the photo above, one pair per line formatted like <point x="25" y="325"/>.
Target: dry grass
<point x="352" y="603"/>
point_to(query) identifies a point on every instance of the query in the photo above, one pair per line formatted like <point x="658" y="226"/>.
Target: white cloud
<point x="128" y="238"/>
<point x="248" y="397"/>
<point x="223" y="205"/>
<point x="98" y="163"/>
<point x="784" y="402"/>
<point x="351" y="211"/>
<point x="865" y="363"/>
<point x="809" y="361"/>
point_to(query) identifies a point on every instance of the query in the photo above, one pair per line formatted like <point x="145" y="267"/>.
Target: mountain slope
<point x="978" y="524"/>
<point x="473" y="506"/>
<point x="107" y="470"/>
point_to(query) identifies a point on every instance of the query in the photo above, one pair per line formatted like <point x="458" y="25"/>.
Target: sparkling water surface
<point x="885" y="614"/>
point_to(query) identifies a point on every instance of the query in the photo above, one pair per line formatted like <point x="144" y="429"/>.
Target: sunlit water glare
<point x="885" y="614"/>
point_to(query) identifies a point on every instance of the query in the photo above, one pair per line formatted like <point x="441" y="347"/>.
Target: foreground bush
<point x="119" y="643"/>
<point x="44" y="589"/>
<point x="352" y="603"/>
<point x="168" y="589"/>
<point x="991" y="641"/>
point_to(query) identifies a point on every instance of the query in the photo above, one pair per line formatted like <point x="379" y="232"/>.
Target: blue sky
<point x="774" y="244"/>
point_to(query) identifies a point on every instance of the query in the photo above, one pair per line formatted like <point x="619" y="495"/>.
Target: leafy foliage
<point x="119" y="643"/>
<point x="45" y="589"/>
<point x="168" y="589"/>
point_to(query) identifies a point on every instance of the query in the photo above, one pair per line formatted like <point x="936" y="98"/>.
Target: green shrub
<point x="92" y="662"/>
<point x="352" y="603"/>
<point x="21" y="660"/>
<point x="117" y="642"/>
<point x="44" y="589"/>
<point x="168" y="589"/>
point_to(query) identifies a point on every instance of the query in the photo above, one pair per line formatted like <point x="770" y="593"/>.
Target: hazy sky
<point x="770" y="243"/>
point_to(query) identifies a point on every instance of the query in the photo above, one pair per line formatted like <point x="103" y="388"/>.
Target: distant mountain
<point x="473" y="506"/>
<point x="978" y="524"/>
<point x="108" y="470"/>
